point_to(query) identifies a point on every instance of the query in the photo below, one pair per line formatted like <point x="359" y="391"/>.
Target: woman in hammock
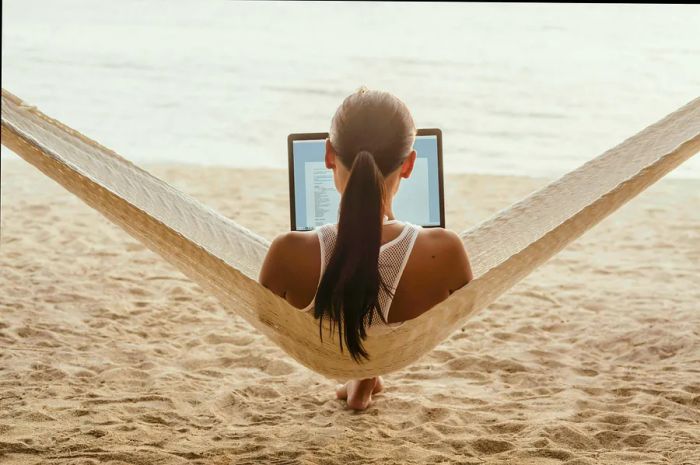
<point x="368" y="269"/>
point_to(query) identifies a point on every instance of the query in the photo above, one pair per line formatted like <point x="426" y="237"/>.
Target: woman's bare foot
<point x="359" y="392"/>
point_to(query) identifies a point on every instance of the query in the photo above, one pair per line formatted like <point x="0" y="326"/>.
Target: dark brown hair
<point x="372" y="133"/>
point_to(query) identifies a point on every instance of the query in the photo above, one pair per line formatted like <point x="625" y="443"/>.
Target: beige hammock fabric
<point x="224" y="257"/>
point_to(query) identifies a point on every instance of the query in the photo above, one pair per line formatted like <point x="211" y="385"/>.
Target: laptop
<point x="314" y="200"/>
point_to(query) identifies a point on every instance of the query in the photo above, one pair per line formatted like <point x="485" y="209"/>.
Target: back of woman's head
<point x="372" y="133"/>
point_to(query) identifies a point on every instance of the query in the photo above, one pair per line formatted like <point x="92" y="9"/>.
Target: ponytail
<point x="348" y="293"/>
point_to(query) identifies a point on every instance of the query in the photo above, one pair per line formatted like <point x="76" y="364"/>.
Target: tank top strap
<point x="392" y="262"/>
<point x="327" y="234"/>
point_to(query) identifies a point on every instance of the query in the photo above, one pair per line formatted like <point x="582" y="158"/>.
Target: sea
<point x="525" y="89"/>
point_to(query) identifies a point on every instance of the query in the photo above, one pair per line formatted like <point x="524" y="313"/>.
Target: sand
<point x="109" y="355"/>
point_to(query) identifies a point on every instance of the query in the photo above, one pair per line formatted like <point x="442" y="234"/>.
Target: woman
<point x="369" y="268"/>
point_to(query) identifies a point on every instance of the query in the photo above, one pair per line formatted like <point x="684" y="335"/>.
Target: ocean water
<point x="530" y="89"/>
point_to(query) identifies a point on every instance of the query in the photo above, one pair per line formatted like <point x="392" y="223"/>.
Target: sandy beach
<point x="110" y="355"/>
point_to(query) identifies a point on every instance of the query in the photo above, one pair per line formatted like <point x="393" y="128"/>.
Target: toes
<point x="341" y="391"/>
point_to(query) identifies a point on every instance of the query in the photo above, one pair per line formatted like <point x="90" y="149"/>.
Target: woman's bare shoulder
<point x="444" y="250"/>
<point x="288" y="253"/>
<point x="294" y="243"/>
<point x="441" y="239"/>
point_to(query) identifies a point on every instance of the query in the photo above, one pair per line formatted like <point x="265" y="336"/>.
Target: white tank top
<point x="393" y="257"/>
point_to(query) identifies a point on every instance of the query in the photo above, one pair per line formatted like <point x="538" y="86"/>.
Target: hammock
<point x="225" y="258"/>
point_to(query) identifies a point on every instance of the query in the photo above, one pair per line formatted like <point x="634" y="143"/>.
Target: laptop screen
<point x="315" y="200"/>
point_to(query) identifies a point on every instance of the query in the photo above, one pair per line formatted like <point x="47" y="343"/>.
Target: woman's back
<point x="423" y="265"/>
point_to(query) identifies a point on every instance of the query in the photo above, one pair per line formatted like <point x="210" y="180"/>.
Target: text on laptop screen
<point x="317" y="200"/>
